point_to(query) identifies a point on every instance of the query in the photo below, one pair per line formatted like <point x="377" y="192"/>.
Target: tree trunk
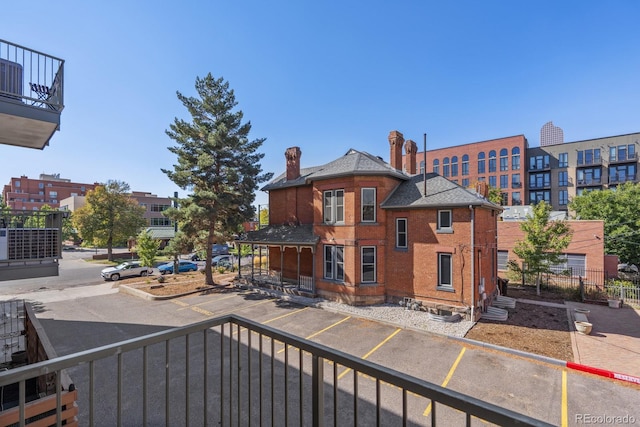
<point x="538" y="280"/>
<point x="110" y="249"/>
<point x="207" y="266"/>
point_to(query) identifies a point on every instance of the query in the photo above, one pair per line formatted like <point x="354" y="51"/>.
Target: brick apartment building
<point x="498" y="162"/>
<point x="365" y="231"/>
<point x="25" y="193"/>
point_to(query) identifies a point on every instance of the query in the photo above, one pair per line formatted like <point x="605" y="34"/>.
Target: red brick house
<point x="362" y="231"/>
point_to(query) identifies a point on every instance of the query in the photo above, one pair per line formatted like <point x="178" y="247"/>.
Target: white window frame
<point x="363" y="264"/>
<point x="441" y="257"/>
<point x="362" y="205"/>
<point x="442" y="226"/>
<point x="333" y="211"/>
<point x="333" y="262"/>
<point x="404" y="233"/>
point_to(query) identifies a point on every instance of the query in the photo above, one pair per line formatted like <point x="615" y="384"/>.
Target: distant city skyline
<point x="325" y="77"/>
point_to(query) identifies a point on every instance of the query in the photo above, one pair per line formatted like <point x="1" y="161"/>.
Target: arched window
<point x="454" y="166"/>
<point x="515" y="158"/>
<point x="481" y="164"/>
<point x="492" y="161"/>
<point x="421" y="167"/>
<point x="465" y="164"/>
<point x="436" y="166"/>
<point x="445" y="167"/>
<point x="504" y="159"/>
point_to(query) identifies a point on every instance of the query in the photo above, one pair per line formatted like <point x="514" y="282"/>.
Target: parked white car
<point x="126" y="269"/>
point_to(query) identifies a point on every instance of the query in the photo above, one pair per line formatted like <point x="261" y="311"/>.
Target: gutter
<point x="473" y="257"/>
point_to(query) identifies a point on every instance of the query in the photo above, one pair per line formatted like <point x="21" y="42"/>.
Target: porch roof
<point x="283" y="234"/>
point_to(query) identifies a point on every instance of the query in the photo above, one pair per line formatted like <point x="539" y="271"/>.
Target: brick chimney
<point x="292" y="155"/>
<point x="482" y="188"/>
<point x="395" y="141"/>
<point x="411" y="149"/>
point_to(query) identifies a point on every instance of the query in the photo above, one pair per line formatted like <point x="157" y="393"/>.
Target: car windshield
<point x="122" y="266"/>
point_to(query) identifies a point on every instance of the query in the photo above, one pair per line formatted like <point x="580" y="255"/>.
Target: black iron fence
<point x="593" y="285"/>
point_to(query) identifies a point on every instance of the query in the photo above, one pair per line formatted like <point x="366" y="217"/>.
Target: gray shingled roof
<point x="289" y="234"/>
<point x="354" y="162"/>
<point x="440" y="193"/>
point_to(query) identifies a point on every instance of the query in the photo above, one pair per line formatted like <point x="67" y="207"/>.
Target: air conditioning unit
<point x="10" y="79"/>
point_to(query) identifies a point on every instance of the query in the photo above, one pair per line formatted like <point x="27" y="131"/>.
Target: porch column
<point x="282" y="248"/>
<point x="298" y="249"/>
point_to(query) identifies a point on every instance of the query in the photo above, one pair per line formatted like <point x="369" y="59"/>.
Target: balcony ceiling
<point x="25" y="126"/>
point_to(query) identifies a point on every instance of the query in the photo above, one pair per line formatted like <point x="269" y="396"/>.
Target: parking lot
<point x="528" y="386"/>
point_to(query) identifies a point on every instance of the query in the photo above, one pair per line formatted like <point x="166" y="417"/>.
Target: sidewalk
<point x="614" y="342"/>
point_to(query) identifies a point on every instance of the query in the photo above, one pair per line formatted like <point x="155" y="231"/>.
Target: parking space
<point x="527" y="386"/>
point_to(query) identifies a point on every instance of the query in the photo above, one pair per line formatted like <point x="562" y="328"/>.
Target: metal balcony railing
<point x="31" y="77"/>
<point x="232" y="371"/>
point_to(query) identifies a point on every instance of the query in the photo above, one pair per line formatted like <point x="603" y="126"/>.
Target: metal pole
<point x="175" y="230"/>
<point x="424" y="171"/>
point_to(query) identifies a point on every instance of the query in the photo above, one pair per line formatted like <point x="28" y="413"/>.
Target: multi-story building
<point x="25" y="193"/>
<point x="363" y="231"/>
<point x="556" y="173"/>
<point x="154" y="206"/>
<point x="498" y="162"/>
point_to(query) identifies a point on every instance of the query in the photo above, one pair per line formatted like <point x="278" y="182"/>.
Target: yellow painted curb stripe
<point x="447" y="378"/>
<point x="319" y="332"/>
<point x="564" y="418"/>
<point x="372" y="351"/>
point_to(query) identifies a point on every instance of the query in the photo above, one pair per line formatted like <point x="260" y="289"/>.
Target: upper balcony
<point x="31" y="96"/>
<point x="624" y="158"/>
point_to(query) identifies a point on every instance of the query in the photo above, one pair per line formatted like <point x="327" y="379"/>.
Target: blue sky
<point x="325" y="76"/>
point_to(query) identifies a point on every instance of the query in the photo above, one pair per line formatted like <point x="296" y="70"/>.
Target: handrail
<point x="471" y="406"/>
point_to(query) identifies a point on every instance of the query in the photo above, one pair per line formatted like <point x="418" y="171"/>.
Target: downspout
<point x="473" y="257"/>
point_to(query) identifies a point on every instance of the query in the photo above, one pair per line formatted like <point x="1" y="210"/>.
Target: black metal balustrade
<point x="233" y="371"/>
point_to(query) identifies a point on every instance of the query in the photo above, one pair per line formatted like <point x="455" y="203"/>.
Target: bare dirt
<point x="181" y="284"/>
<point x="530" y="327"/>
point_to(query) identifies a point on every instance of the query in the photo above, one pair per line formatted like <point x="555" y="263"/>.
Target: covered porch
<point x="290" y="257"/>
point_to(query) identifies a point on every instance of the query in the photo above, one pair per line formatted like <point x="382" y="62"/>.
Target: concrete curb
<point x="145" y="295"/>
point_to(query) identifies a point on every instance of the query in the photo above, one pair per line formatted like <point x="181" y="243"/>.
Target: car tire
<point x="164" y="272"/>
<point x="115" y="277"/>
<point x="143" y="273"/>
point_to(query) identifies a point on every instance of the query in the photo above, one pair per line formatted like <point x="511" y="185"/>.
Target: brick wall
<point x="587" y="239"/>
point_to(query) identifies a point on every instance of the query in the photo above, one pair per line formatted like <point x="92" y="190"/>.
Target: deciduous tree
<point x="147" y="248"/>
<point x="619" y="209"/>
<point x="217" y="164"/>
<point x="109" y="217"/>
<point x="543" y="243"/>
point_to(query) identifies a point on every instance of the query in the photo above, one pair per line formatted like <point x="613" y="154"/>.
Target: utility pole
<point x="176" y="264"/>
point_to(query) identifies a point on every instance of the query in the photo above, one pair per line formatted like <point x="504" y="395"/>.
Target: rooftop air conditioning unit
<point x="10" y="79"/>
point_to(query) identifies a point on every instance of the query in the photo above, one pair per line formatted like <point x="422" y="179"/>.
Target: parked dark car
<point x="183" y="266"/>
<point x="215" y="251"/>
<point x="222" y="261"/>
